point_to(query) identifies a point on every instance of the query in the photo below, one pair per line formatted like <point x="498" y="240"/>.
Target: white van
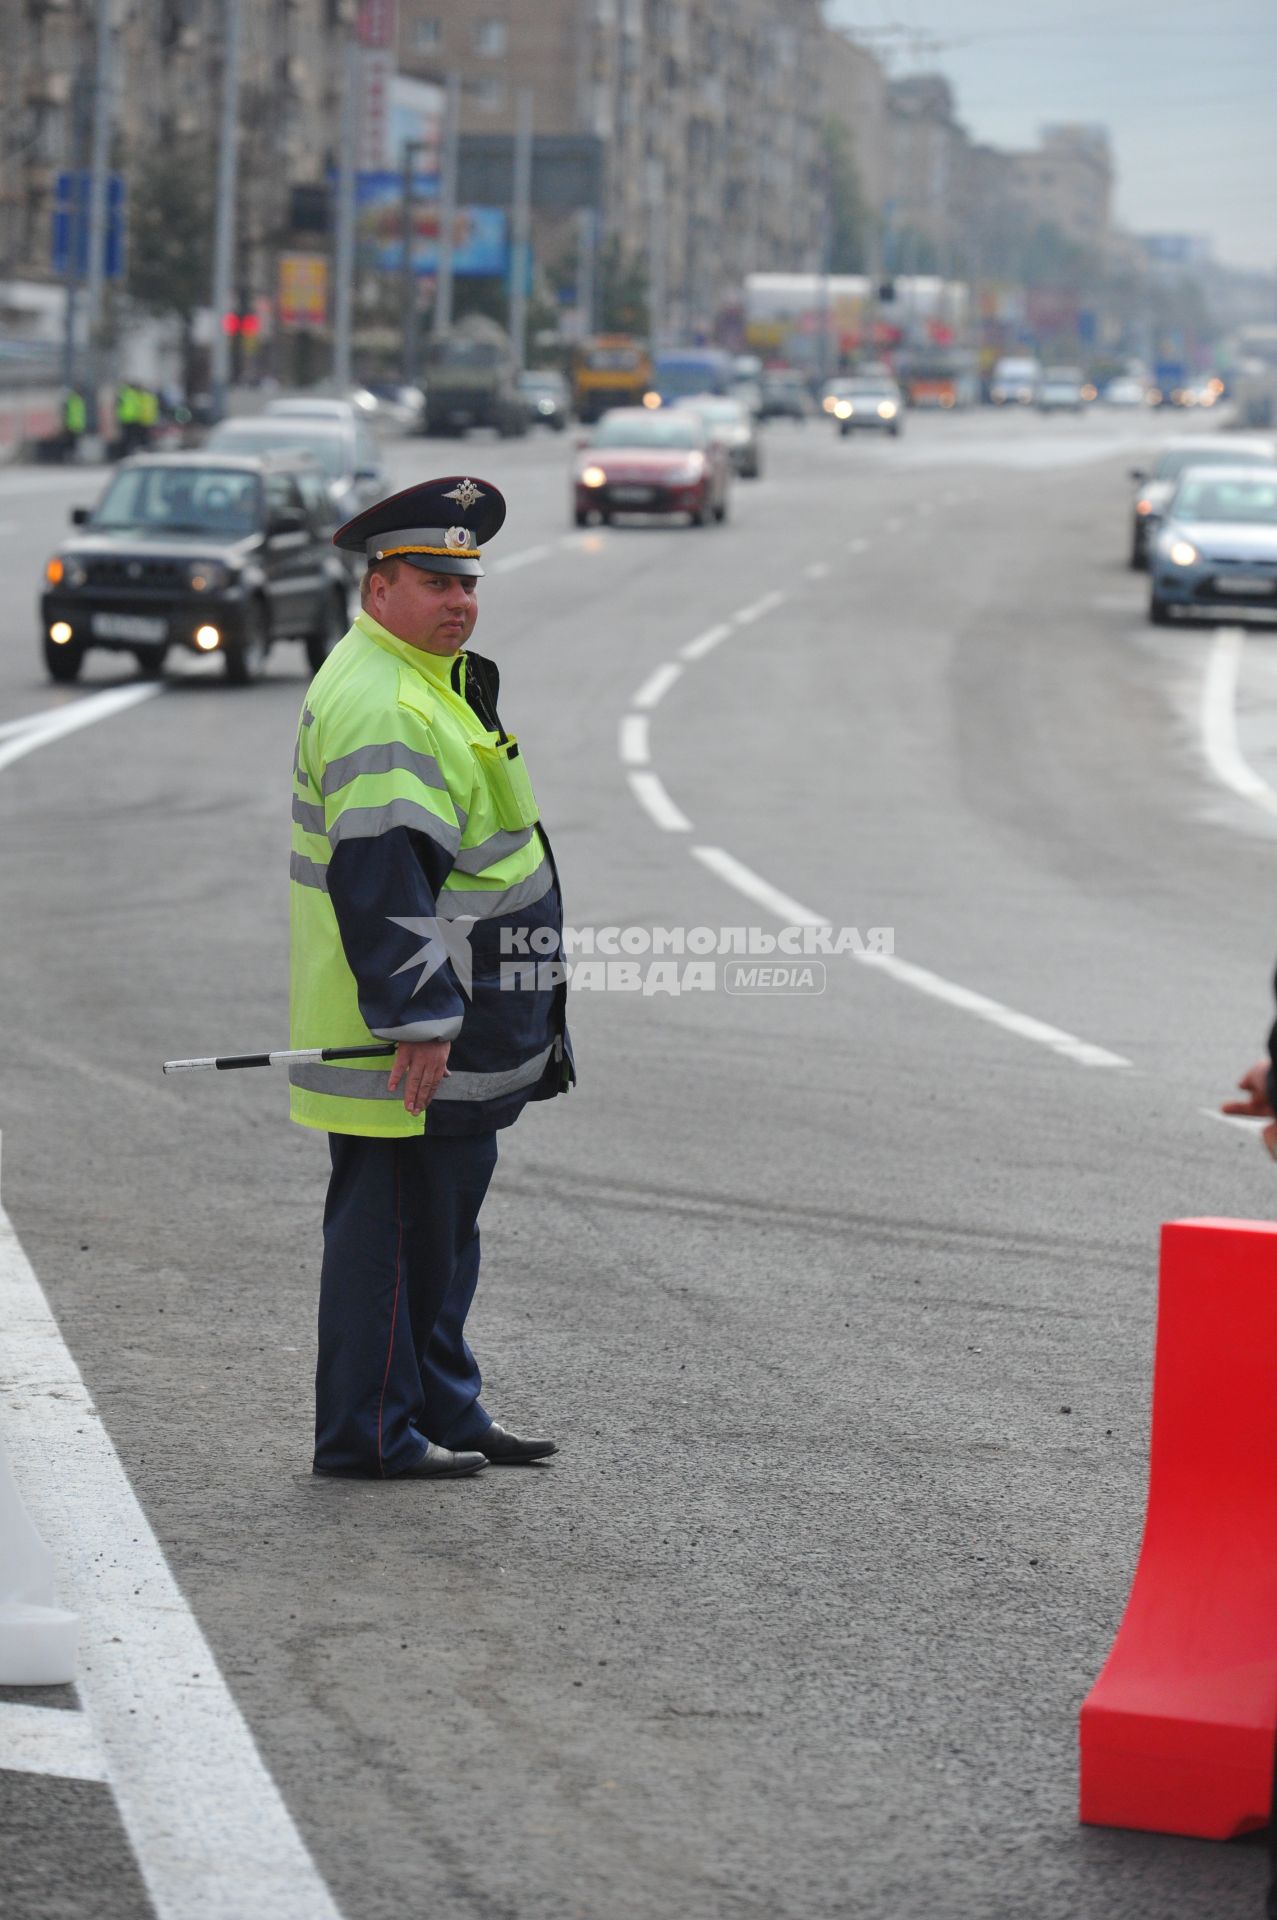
<point x="1016" y="382"/>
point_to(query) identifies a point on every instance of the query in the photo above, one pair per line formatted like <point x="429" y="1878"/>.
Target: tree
<point x="848" y="217"/>
<point x="170" y="252"/>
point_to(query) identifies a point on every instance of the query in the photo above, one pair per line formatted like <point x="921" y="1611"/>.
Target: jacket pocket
<point x="505" y="780"/>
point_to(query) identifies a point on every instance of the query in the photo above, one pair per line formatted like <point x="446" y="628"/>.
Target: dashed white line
<point x="706" y="642"/>
<point x="210" y="1831"/>
<point x="757" y="609"/>
<point x="633" y="740"/>
<point x="82" y="713"/>
<point x="655" y="688"/>
<point x="650" y="792"/>
<point x="1219" y="722"/>
<point x="921" y="979"/>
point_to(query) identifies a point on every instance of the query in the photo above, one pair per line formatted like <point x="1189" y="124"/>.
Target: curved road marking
<point x="1219" y="721"/>
<point x="649" y="790"/>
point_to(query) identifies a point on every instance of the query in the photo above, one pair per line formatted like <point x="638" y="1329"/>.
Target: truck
<point x="472" y="380"/>
<point x="611" y="370"/>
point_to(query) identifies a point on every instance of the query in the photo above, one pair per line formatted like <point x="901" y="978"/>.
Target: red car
<point x="638" y="460"/>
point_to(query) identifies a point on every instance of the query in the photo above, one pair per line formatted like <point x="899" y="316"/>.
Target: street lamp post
<point x="408" y="363"/>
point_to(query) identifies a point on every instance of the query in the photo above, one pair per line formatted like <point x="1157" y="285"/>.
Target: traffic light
<point x="246" y="324"/>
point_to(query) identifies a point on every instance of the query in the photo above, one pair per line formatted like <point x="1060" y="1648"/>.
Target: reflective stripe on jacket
<point x="419" y="873"/>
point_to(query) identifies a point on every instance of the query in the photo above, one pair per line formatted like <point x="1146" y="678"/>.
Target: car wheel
<point x="150" y="661"/>
<point x="63" y="662"/>
<point x="1158" y="611"/>
<point x="331" y="625"/>
<point x="245" y="654"/>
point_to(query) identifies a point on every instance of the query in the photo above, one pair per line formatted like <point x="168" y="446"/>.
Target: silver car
<point x="344" y="448"/>
<point x="1217" y="549"/>
<point x="869" y="401"/>
<point x="733" y="426"/>
<point x="1195" y="450"/>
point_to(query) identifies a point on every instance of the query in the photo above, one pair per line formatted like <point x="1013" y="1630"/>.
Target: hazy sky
<point x="1188" y="91"/>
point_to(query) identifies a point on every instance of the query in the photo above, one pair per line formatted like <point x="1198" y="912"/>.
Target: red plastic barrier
<point x="1177" y="1732"/>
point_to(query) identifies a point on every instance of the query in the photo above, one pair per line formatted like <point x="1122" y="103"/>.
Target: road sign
<point x="303" y="291"/>
<point x="71" y="216"/>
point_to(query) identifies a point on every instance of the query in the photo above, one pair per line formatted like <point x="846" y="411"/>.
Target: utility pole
<point x="448" y="167"/>
<point x="408" y="364"/>
<point x="100" y="163"/>
<point x="587" y="255"/>
<point x="224" y="232"/>
<point x="520" y="251"/>
<point x="75" y="226"/>
<point x="344" y="266"/>
<point x="656" y="251"/>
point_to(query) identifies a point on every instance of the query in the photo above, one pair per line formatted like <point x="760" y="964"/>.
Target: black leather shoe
<point x="507" y="1450"/>
<point x="437" y="1461"/>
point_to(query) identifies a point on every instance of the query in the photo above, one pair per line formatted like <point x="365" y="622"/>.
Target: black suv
<point x="221" y="553"/>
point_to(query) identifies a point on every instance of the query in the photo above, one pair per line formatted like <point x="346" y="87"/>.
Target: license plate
<point x="1243" y="583"/>
<point x="633" y="496"/>
<point x="129" y="626"/>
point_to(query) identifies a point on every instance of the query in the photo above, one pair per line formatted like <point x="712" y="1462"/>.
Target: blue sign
<point x="71" y="218"/>
<point x="480" y="242"/>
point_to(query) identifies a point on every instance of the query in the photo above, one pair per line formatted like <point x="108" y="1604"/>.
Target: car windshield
<point x="1253" y="502"/>
<point x="612" y="359"/>
<point x="540" y="383"/>
<point x="220" y="500"/>
<point x="869" y="389"/>
<point x="1175" y="459"/>
<point x="279" y="434"/>
<point x="480" y="354"/>
<point x="681" y="378"/>
<point x="647" y="430"/>
<point x="721" y="412"/>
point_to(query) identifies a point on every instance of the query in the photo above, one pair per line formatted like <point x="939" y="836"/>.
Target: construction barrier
<point x="1177" y="1733"/>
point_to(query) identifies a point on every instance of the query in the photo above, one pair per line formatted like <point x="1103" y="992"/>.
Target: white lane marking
<point x="705" y="643"/>
<point x="650" y="792"/>
<point x="1219" y="721"/>
<point x="83" y="713"/>
<point x="655" y="688"/>
<point x="793" y="913"/>
<point x="510" y="562"/>
<point x="211" y="1834"/>
<point x="817" y="570"/>
<point x="755" y="888"/>
<point x="757" y="609"/>
<point x="1233" y="1119"/>
<point x="857" y="546"/>
<point x="633" y="747"/>
<point x="48" y="1740"/>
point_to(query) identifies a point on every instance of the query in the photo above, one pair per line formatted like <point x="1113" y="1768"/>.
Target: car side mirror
<point x="287" y="523"/>
<point x="367" y="473"/>
<point x="80" y="516"/>
<point x="1138" y="474"/>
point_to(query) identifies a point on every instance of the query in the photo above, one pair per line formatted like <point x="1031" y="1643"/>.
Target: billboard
<point x="480" y="241"/>
<point x="303" y="291"/>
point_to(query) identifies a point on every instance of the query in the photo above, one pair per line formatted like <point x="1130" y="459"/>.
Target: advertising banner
<point x="480" y="239"/>
<point x="303" y="291"/>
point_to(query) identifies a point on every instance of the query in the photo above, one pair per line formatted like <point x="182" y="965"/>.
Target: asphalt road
<point x="840" y="1305"/>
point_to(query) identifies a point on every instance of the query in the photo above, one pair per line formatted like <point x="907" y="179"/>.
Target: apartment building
<point x="1066" y="182"/>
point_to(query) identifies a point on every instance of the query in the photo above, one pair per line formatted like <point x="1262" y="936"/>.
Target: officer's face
<point x="433" y="611"/>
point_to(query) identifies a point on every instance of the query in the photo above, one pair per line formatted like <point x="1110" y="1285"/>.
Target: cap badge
<point x="465" y="495"/>
<point x="456" y="538"/>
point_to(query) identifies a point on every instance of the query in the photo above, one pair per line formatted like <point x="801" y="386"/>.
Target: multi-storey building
<point x="1066" y="182"/>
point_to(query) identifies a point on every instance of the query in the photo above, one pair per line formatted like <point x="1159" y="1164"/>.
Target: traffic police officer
<point x="425" y="910"/>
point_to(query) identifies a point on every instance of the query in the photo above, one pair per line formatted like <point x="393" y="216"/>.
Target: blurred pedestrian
<point x="425" y="911"/>
<point x="74" y="421"/>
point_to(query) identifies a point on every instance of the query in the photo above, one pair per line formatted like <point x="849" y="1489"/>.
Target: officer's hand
<point x="1254" y="1084"/>
<point x="421" y="1065"/>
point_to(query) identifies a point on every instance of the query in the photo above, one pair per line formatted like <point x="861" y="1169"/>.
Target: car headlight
<point x="651" y="399"/>
<point x="843" y="410"/>
<point x="1182" y="553"/>
<point x="887" y="409"/>
<point x="206" y="576"/>
<point x="593" y="477"/>
<point x="545" y="406"/>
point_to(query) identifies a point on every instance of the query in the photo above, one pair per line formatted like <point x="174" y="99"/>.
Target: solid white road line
<point x="633" y="745"/>
<point x="48" y="1740"/>
<point x="211" y="1834"/>
<point x="748" y="615"/>
<point x="655" y="688"/>
<point x="81" y="713"/>
<point x="921" y="979"/>
<point x="1232" y="1119"/>
<point x="651" y="795"/>
<point x="1219" y="721"/>
<point x="705" y="642"/>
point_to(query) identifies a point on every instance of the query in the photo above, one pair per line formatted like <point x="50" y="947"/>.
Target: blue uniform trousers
<point x="401" y="1263"/>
